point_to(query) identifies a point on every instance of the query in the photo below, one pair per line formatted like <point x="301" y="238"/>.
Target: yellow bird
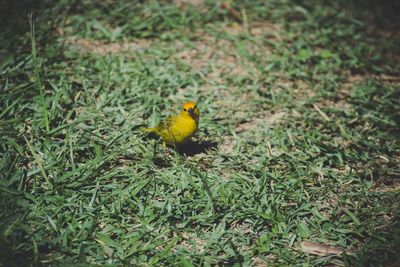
<point x="178" y="129"/>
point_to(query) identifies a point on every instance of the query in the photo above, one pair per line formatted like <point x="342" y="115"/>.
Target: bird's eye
<point x="184" y="109"/>
<point x="194" y="107"/>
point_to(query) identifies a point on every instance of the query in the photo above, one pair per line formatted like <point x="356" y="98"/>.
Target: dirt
<point x="211" y="57"/>
<point x="266" y="118"/>
<point x="227" y="144"/>
<point x="104" y="47"/>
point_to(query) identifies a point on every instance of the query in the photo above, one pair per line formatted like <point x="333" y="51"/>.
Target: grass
<point x="298" y="140"/>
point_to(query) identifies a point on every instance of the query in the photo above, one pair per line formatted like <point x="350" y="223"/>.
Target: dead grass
<point x="213" y="58"/>
<point x="265" y="118"/>
<point x="192" y="242"/>
<point x="104" y="48"/>
<point x="261" y="28"/>
<point x="227" y="145"/>
<point x="356" y="79"/>
<point x="185" y="3"/>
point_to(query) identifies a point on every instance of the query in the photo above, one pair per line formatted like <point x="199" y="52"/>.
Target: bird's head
<point x="190" y="109"/>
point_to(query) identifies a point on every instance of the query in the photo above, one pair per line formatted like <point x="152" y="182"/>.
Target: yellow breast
<point x="179" y="131"/>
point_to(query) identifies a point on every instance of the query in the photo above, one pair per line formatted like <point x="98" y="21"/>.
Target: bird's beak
<point x="191" y="111"/>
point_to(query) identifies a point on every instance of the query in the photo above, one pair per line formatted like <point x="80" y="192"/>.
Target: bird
<point x="178" y="129"/>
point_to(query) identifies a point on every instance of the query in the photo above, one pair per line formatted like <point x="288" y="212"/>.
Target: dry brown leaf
<point x="181" y="3"/>
<point x="323" y="114"/>
<point x="319" y="249"/>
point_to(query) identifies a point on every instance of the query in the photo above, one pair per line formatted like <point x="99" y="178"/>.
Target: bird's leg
<point x="166" y="154"/>
<point x="154" y="149"/>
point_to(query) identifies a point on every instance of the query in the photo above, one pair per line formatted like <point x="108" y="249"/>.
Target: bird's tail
<point x="148" y="130"/>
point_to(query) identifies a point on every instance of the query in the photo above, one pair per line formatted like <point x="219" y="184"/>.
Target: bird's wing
<point x="167" y="123"/>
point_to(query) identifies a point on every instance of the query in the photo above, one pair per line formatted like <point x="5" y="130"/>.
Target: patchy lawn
<point x="296" y="162"/>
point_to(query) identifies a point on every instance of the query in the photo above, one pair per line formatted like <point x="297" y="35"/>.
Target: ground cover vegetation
<point x="296" y="161"/>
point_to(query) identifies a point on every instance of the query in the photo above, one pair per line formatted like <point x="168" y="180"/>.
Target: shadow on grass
<point x="197" y="147"/>
<point x="191" y="148"/>
<point x="383" y="246"/>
